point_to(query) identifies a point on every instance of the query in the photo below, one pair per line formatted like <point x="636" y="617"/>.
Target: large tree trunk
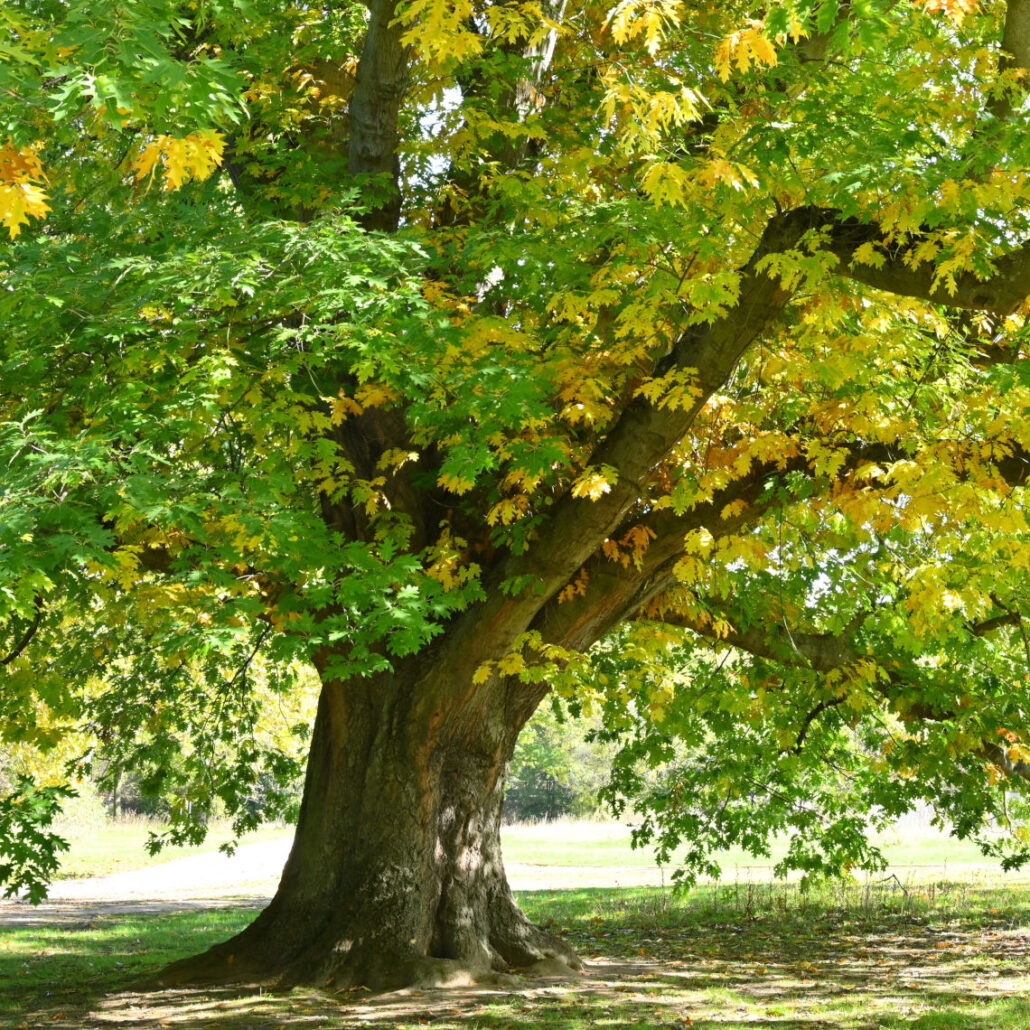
<point x="395" y="876"/>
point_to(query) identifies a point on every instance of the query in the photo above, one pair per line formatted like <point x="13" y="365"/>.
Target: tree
<point x="557" y="768"/>
<point x="433" y="343"/>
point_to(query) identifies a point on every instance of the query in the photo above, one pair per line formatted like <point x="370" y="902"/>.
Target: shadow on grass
<point x="557" y="1007"/>
<point x="653" y="962"/>
<point x="67" y="966"/>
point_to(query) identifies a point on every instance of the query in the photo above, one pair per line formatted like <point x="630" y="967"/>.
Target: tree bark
<point x="395" y="877"/>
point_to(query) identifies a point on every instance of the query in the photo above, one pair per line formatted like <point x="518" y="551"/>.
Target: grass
<point x="917" y="845"/>
<point x="109" y="847"/>
<point x="859" y="956"/>
<point x="60" y="968"/>
<point x="118" y="846"/>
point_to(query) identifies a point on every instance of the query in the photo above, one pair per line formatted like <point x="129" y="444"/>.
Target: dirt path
<point x="250" y="877"/>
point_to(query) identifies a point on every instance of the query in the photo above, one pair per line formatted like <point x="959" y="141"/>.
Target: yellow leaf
<point x="744" y="48"/>
<point x="194" y="156"/>
<point x="511" y="664"/>
<point x="507" y="511"/>
<point x="456" y="484"/>
<point x="20" y="196"/>
<point x="19" y="202"/>
<point x="1019" y="753"/>
<point x="20" y="164"/>
<point x="595" y="482"/>
<point x="795" y="28"/>
<point x="439" y="30"/>
<point x="699" y="541"/>
<point x="342" y="406"/>
<point x="373" y="395"/>
<point x="734" y="174"/>
<point x="867" y="254"/>
<point x="647" y="18"/>
<point x="665" y="183"/>
<point x="576" y="587"/>
<point x="733" y="509"/>
<point x="395" y="457"/>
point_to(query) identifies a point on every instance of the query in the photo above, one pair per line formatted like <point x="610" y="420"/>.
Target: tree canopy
<point x="671" y="357"/>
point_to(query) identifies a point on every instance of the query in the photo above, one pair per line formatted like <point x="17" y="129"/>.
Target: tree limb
<point x="26" y="638"/>
<point x="615" y="590"/>
<point x="1015" y="49"/>
<point x="825" y="653"/>
<point x="1001" y="294"/>
<point x="382" y="79"/>
<point x="822" y="652"/>
<point x="814" y="714"/>
<point x="981" y="629"/>
<point x="998" y="756"/>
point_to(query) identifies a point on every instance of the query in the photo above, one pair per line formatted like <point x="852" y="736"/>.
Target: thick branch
<point x="981" y="629"/>
<point x="1015" y="40"/>
<point x="823" y="652"/>
<point x="826" y="652"/>
<point x="375" y="104"/>
<point x="615" y="591"/>
<point x="1001" y="294"/>
<point x="1015" y="46"/>
<point x="999" y="756"/>
<point x="640" y="439"/>
<point x="645" y="434"/>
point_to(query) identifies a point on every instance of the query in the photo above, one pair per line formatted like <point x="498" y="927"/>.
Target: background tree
<point x="506" y="325"/>
<point x="558" y="767"/>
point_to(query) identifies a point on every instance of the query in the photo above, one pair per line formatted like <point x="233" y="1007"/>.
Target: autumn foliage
<point x="670" y="358"/>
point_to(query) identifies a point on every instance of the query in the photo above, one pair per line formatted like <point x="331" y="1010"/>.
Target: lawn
<point x="916" y="851"/>
<point x="120" y="845"/>
<point x="873" y="956"/>
<point x="914" y="846"/>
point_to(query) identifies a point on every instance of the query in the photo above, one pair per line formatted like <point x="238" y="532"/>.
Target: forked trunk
<point x="395" y="876"/>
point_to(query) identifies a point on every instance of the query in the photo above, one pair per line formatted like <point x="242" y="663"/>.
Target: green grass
<point x="59" y="969"/>
<point x="584" y="843"/>
<point x="872" y="956"/>
<point x="118" y="846"/>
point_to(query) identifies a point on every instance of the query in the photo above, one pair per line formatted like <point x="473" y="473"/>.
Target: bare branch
<point x="980" y="629"/>
<point x="814" y="714"/>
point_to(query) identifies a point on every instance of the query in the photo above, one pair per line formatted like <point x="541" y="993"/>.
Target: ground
<point x="877" y="955"/>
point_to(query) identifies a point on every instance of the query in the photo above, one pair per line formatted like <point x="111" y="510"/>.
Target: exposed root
<point x="217" y="966"/>
<point x="515" y="946"/>
<point x="524" y="945"/>
<point x="286" y="948"/>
